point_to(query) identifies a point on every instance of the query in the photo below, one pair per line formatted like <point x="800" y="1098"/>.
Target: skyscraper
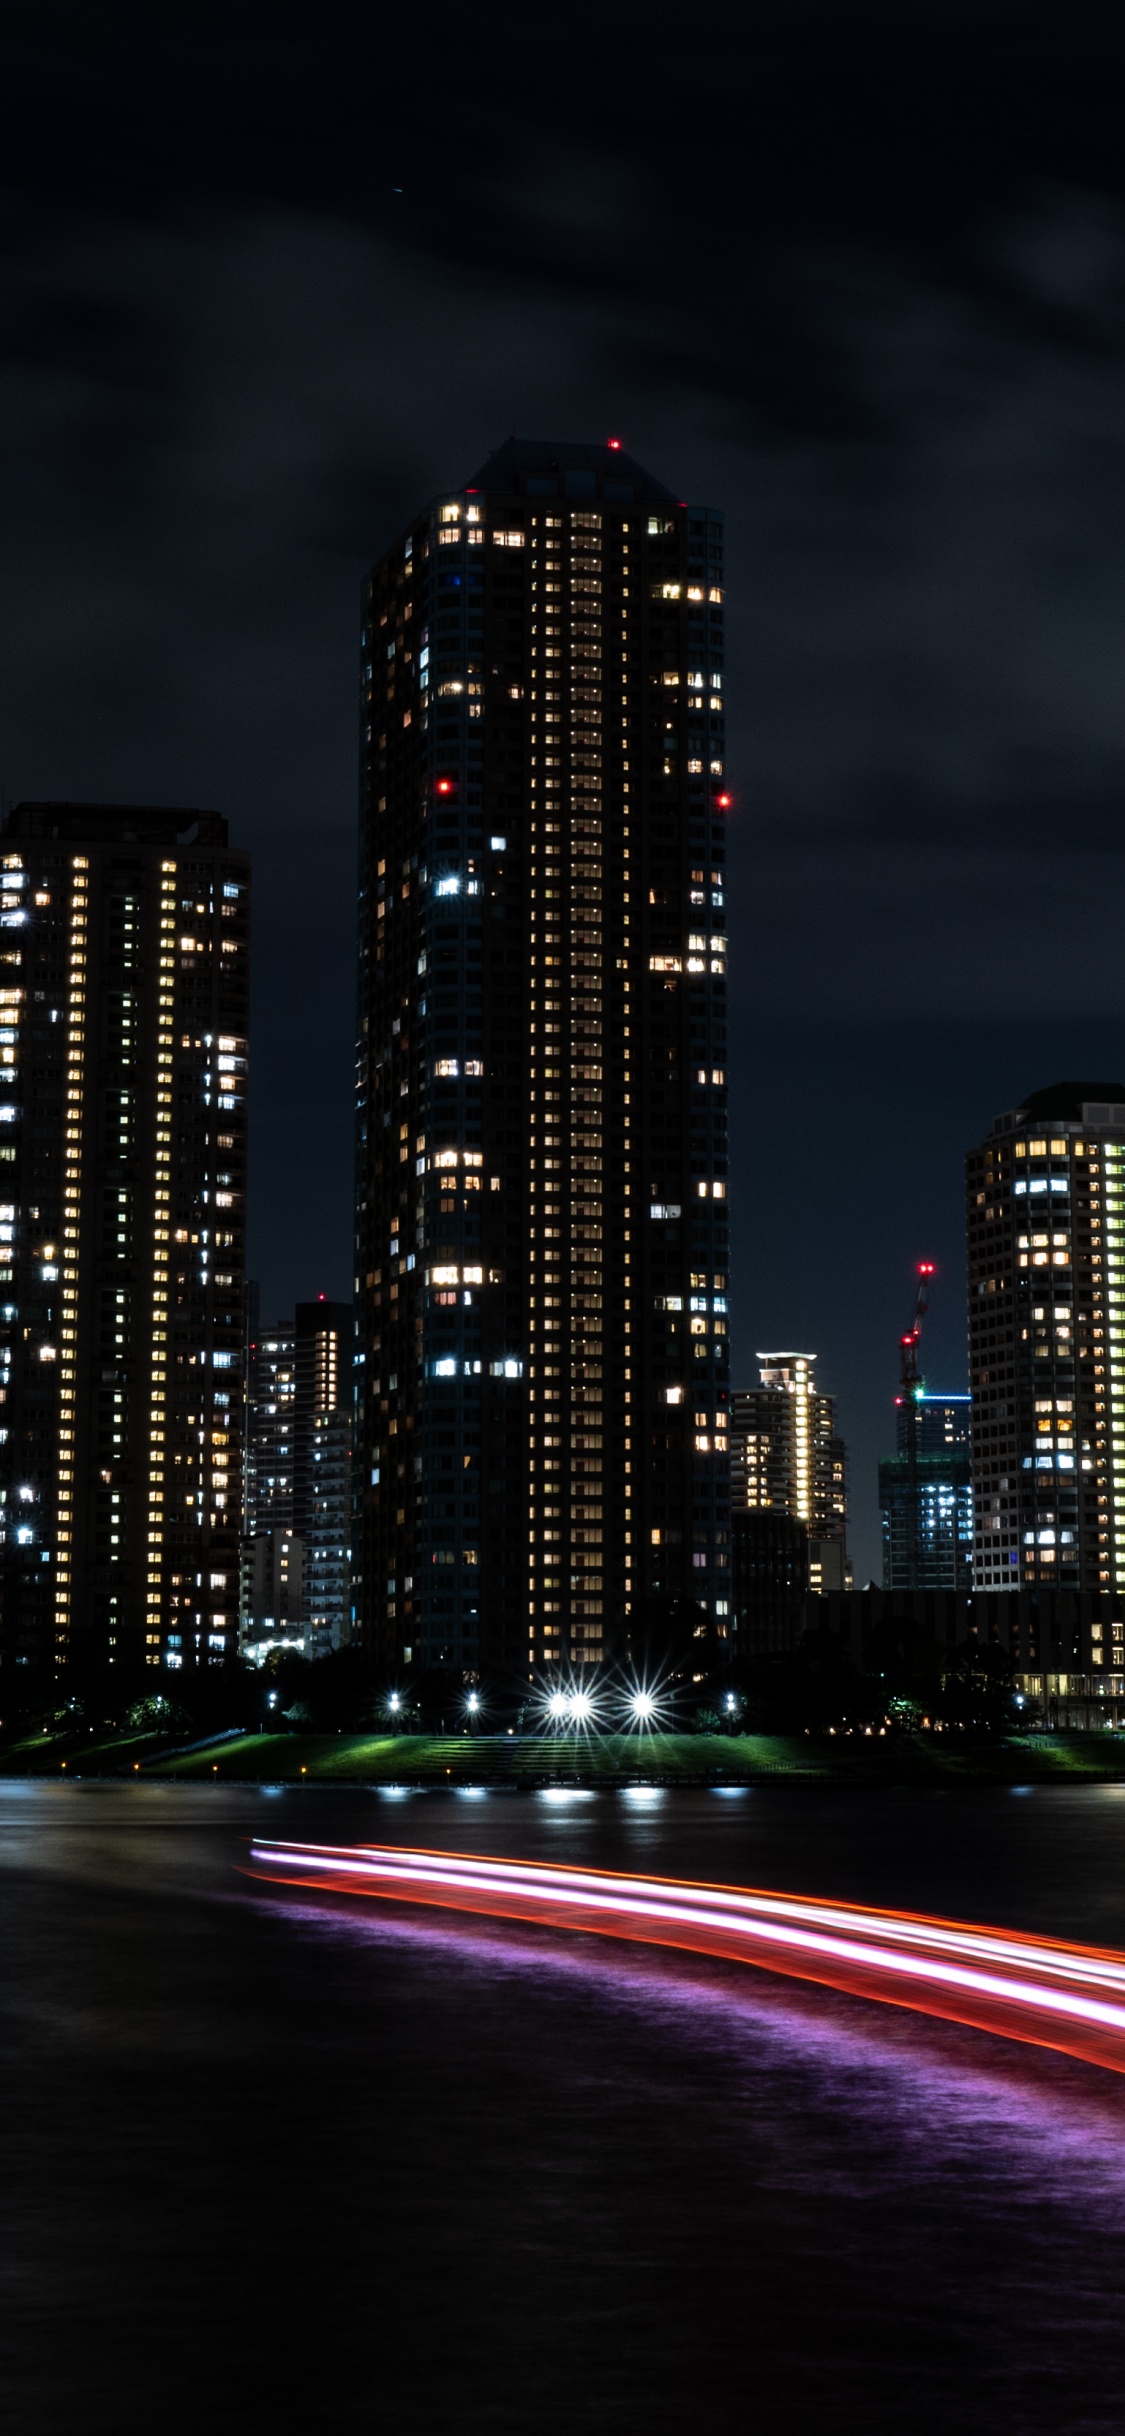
<point x="787" y="1457"/>
<point x="328" y="1548"/>
<point x="541" y="1226"/>
<point x="322" y="1444"/>
<point x="926" y="1503"/>
<point x="124" y="1007"/>
<point x="297" y="1564"/>
<point x="1046" y="1239"/>
<point x="271" y="1389"/>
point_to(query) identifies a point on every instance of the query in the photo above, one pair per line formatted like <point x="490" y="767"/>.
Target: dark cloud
<point x="854" y="275"/>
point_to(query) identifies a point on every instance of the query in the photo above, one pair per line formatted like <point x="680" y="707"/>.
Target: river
<point x="278" y="2162"/>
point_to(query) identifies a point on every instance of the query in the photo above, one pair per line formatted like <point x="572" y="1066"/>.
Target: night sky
<point x="852" y="274"/>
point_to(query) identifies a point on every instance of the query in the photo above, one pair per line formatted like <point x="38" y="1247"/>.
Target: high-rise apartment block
<point x="124" y="991"/>
<point x="271" y="1390"/>
<point x="328" y="1548"/>
<point x="297" y="1560"/>
<point x="787" y="1457"/>
<point x="1046" y="1240"/>
<point x="926" y="1498"/>
<point x="322" y="1475"/>
<point x="541" y="1226"/>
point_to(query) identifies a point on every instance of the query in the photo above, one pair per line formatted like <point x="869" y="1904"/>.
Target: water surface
<point x="281" y="2162"/>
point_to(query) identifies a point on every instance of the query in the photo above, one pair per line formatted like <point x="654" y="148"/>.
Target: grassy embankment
<point x="607" y="1760"/>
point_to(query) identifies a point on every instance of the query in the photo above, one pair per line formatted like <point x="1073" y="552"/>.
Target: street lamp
<point x="642" y="1707"/>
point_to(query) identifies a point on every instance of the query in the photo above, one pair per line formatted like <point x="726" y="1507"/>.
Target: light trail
<point x="1035" y="1989"/>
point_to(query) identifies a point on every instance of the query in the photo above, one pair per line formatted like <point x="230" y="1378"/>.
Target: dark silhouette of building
<point x="541" y="1228"/>
<point x="771" y="1577"/>
<point x="1066" y="1647"/>
<point x="123" y="1033"/>
<point x="1046" y="1229"/>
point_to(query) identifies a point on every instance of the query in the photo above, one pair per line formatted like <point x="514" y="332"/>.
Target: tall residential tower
<point x="1046" y="1239"/>
<point x="541" y="1226"/>
<point x="297" y="1558"/>
<point x="124" y="991"/>
<point x="787" y="1457"/>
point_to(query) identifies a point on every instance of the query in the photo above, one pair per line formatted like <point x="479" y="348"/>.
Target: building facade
<point x="787" y="1457"/>
<point x="926" y="1498"/>
<point x="124" y="993"/>
<point x="271" y="1390"/>
<point x="322" y="1475"/>
<point x="541" y="1225"/>
<point x="328" y="1546"/>
<point x="299" y="1398"/>
<point x="1046" y="1242"/>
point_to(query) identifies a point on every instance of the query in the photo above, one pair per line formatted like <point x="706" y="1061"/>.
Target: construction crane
<point x="911" y="1387"/>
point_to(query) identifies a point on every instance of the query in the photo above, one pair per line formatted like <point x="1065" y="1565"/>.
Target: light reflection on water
<point x="291" y="2162"/>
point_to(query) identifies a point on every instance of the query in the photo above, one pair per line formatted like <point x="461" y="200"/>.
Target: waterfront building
<point x="771" y="1577"/>
<point x="1076" y="1677"/>
<point x="271" y="1388"/>
<point x="1046" y="1243"/>
<point x="926" y="1498"/>
<point x="124" y="950"/>
<point x="787" y="1457"/>
<point x="299" y="1393"/>
<point x="273" y="1600"/>
<point x="328" y="1548"/>
<point x="541" y="1220"/>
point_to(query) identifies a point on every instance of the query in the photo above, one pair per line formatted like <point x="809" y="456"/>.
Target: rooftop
<point x="117" y="824"/>
<point x="1072" y="1103"/>
<point x="569" y="469"/>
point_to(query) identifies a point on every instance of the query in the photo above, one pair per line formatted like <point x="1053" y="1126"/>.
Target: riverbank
<point x="529" y="1762"/>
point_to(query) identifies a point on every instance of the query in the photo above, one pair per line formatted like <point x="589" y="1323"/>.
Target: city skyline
<point x="896" y="364"/>
<point x="607" y="532"/>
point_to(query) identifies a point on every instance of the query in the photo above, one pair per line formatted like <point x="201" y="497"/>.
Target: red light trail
<point x="1021" y="1987"/>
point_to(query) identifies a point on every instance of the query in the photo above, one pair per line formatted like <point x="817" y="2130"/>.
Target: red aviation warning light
<point x="723" y="802"/>
<point x="613" y="443"/>
<point x="443" y="786"/>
